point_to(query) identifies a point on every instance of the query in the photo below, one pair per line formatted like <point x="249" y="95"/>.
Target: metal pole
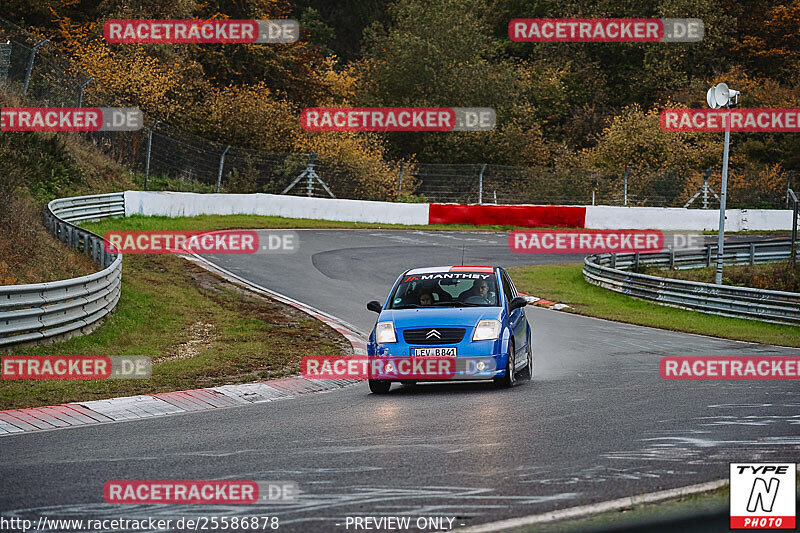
<point x="722" y="197"/>
<point x="795" y="206"/>
<point x="30" y="64"/>
<point x="80" y="91"/>
<point x="221" y="163"/>
<point x="705" y="191"/>
<point x="149" y="146"/>
<point x="309" y="169"/>
<point x="593" y="191"/>
<point x="400" y="181"/>
<point x="625" y="184"/>
<point x="480" y="184"/>
<point x="5" y="61"/>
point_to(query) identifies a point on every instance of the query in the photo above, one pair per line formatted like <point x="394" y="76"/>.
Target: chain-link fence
<point x="165" y="157"/>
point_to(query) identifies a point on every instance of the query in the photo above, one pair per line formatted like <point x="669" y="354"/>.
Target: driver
<point x="425" y="299"/>
<point x="479" y="288"/>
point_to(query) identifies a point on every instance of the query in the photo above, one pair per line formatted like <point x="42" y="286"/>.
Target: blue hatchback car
<point x="471" y="313"/>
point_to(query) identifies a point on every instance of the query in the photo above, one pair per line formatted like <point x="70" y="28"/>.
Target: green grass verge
<point x="565" y="284"/>
<point x="694" y="504"/>
<point x="217" y="222"/>
<point x="199" y="330"/>
<point x="780" y="232"/>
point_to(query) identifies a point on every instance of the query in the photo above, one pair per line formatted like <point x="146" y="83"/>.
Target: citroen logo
<point x="433" y="333"/>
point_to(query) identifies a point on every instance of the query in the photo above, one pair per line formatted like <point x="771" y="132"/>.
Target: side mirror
<point x="374" y="305"/>
<point x="516" y="303"/>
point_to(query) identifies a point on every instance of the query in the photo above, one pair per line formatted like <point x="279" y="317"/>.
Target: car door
<point x="517" y="320"/>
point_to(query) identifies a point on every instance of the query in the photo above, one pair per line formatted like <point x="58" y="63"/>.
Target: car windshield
<point x="445" y="289"/>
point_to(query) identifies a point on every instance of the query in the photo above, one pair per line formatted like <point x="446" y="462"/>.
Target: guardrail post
<point x="672" y="258"/>
<point x="708" y="255"/>
<point x="752" y="253"/>
<point x="636" y="262"/>
<point x="613" y="260"/>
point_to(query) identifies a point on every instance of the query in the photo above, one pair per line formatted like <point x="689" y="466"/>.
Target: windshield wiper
<point x="457" y="304"/>
<point x="406" y="306"/>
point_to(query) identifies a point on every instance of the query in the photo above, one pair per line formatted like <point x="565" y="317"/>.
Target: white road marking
<point x="595" y="508"/>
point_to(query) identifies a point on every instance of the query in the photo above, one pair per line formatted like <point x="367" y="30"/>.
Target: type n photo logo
<point x="763" y="495"/>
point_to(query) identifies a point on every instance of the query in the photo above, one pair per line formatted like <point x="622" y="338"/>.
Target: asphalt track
<point x="596" y="423"/>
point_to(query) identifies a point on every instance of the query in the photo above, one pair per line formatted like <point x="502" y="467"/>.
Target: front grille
<point x="425" y="335"/>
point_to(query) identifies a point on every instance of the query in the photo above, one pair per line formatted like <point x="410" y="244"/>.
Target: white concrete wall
<point x="678" y="218"/>
<point x="180" y="204"/>
<point x="767" y="219"/>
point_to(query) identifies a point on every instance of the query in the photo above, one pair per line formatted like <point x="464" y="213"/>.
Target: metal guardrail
<point x="44" y="310"/>
<point x="612" y="271"/>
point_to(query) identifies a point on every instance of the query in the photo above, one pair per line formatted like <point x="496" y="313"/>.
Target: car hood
<point x="431" y="317"/>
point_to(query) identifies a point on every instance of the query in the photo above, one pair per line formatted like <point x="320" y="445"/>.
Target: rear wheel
<point x="379" y="386"/>
<point x="508" y="381"/>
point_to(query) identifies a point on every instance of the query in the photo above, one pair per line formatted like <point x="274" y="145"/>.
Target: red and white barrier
<point x="177" y="204"/>
<point x="511" y="215"/>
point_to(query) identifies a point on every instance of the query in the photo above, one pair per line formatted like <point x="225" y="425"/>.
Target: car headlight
<point x="486" y="330"/>
<point x="384" y="332"/>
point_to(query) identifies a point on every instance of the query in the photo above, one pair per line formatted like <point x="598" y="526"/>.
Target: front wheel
<point x="379" y="386"/>
<point x="508" y="381"/>
<point x="527" y="372"/>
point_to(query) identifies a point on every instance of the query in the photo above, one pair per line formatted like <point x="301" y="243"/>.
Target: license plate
<point x="435" y="351"/>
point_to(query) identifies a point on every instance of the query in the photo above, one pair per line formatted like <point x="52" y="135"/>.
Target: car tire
<point x="527" y="372"/>
<point x="379" y="386"/>
<point x="508" y="381"/>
